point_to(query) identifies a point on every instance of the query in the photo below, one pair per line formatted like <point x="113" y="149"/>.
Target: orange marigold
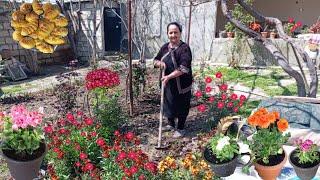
<point x="263" y="121"/>
<point x="282" y="125"/>
<point x="271" y="117"/>
<point x="253" y="120"/>
<point x="261" y="111"/>
<point x="277" y="114"/>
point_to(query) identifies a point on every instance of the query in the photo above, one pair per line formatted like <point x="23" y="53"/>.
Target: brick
<point x="9" y="41"/>
<point x="2" y="41"/>
<point x="7" y="25"/>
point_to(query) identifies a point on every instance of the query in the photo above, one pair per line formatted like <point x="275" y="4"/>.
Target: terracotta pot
<point x="230" y="34"/>
<point x="303" y="173"/>
<point x="270" y="172"/>
<point x="273" y="35"/>
<point x="264" y="34"/>
<point x="25" y="170"/>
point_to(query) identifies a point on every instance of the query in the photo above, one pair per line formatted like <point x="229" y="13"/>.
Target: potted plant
<point x="23" y="146"/>
<point x="221" y="153"/>
<point x="229" y="27"/>
<point x="266" y="145"/>
<point x="273" y="34"/>
<point x="291" y="26"/>
<point x="305" y="159"/>
<point x="217" y="99"/>
<point x="264" y="32"/>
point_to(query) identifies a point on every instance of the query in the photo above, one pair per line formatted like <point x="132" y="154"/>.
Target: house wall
<point x="61" y="55"/>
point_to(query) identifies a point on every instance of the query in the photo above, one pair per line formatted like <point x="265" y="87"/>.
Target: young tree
<point x="304" y="89"/>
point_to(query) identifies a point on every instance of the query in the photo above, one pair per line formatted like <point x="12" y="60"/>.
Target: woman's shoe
<point x="167" y="128"/>
<point x="179" y="133"/>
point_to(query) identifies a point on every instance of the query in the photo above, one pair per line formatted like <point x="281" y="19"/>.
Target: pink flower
<point x="48" y="129"/>
<point x="83" y="156"/>
<point x="208" y="89"/>
<point x="88" y="121"/>
<point x="211" y="99"/>
<point x="202" y="108"/>
<point x="223" y="87"/>
<point x="220" y="105"/>
<point x="133" y="170"/>
<point x="150" y="166"/>
<point x="129" y="136"/>
<point x="117" y="133"/>
<point x="208" y="79"/>
<point x="89" y="167"/>
<point x="218" y="75"/>
<point x="198" y="94"/>
<point x="229" y="104"/>
<point x="290" y="20"/>
<point x="77" y="164"/>
<point x="223" y="96"/>
<point x="299" y="24"/>
<point x="242" y="98"/>
<point x="235" y="109"/>
<point x="100" y="142"/>
<point x="132" y="155"/>
<point x="121" y="156"/>
<point x="70" y="117"/>
<point x="234" y="96"/>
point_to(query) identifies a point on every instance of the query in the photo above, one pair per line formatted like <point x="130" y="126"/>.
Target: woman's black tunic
<point x="177" y="93"/>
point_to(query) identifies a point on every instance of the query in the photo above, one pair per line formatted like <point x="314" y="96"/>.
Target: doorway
<point x="112" y="29"/>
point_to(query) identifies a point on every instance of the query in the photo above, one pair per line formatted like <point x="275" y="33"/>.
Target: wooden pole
<point x="130" y="56"/>
<point x="94" y="36"/>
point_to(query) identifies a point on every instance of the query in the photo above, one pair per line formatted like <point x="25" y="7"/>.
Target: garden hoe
<point x="161" y="146"/>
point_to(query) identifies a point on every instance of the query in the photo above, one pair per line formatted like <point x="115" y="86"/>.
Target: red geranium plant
<point x="291" y="26"/>
<point x="217" y="99"/>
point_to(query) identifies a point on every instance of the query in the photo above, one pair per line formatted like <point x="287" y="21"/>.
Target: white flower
<point x="222" y="142"/>
<point x="244" y="148"/>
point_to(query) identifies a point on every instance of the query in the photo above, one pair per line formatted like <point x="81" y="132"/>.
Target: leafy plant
<point x="229" y="27"/>
<point x="268" y="139"/>
<point x="223" y="147"/>
<point x="217" y="99"/>
<point x="307" y="151"/>
<point x="291" y="26"/>
<point x="190" y="167"/>
<point x="20" y="131"/>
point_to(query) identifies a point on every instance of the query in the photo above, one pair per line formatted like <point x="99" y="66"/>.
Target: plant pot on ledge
<point x="264" y="34"/>
<point x="222" y="169"/>
<point x="304" y="171"/>
<point x="273" y="35"/>
<point x="272" y="170"/>
<point x="25" y="168"/>
<point x="230" y="34"/>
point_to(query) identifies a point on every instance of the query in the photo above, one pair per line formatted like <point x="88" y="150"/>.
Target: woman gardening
<point x="175" y="58"/>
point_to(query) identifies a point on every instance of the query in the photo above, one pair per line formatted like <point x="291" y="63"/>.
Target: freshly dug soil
<point x="295" y="161"/>
<point x="273" y="160"/>
<point x="19" y="157"/>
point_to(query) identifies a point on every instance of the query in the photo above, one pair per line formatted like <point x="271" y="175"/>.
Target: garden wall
<point x="61" y="55"/>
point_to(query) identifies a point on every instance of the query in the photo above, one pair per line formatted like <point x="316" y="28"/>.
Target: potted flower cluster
<point x="216" y="98"/>
<point x="23" y="145"/>
<point x="291" y="26"/>
<point x="230" y="28"/>
<point x="221" y="153"/>
<point x="305" y="159"/>
<point x="191" y="166"/>
<point x="266" y="145"/>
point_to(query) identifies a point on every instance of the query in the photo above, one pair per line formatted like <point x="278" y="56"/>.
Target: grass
<point x="17" y="88"/>
<point x="269" y="82"/>
<point x="248" y="107"/>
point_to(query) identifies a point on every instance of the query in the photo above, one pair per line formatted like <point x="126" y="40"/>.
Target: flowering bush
<point x="106" y="108"/>
<point x="192" y="166"/>
<point x="125" y="160"/>
<point x="102" y="78"/>
<point x="269" y="138"/>
<point x="223" y="147"/>
<point x="74" y="144"/>
<point x="291" y="26"/>
<point x="217" y="99"/>
<point x="20" y="131"/>
<point x="307" y="152"/>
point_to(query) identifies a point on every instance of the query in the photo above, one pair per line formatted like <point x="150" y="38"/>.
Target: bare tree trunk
<point x="93" y="63"/>
<point x="189" y="22"/>
<point x="282" y="60"/>
<point x="130" y="58"/>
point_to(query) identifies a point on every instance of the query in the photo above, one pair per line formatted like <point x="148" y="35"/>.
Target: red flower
<point x="93" y="134"/>
<point x="243" y="98"/>
<point x="48" y="129"/>
<point x="89" y="167"/>
<point x="208" y="79"/>
<point x="235" y="109"/>
<point x="121" y="156"/>
<point x="133" y="170"/>
<point x="70" y="117"/>
<point x="102" y="78"/>
<point x="88" y="121"/>
<point x="240" y="103"/>
<point x="234" y="96"/>
<point x="83" y="156"/>
<point x="62" y="131"/>
<point x="211" y="99"/>
<point x="83" y="133"/>
<point x="208" y="89"/>
<point x="117" y="133"/>
<point x="150" y="166"/>
<point x="129" y="136"/>
<point x="141" y="177"/>
<point x="218" y="75"/>
<point x="68" y="141"/>
<point x="290" y="20"/>
<point x="100" y="142"/>
<point x="198" y="94"/>
<point x="77" y="164"/>
<point x="229" y="104"/>
<point x="79" y="113"/>
<point x="299" y="24"/>
<point x="132" y="155"/>
<point x="202" y="108"/>
<point x="223" y="87"/>
<point x="220" y="105"/>
<point x="223" y="96"/>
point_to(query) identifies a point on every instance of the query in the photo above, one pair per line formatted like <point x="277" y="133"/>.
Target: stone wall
<point x="9" y="47"/>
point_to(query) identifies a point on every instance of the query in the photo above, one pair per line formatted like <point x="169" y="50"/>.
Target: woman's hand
<point x="165" y="80"/>
<point x="160" y="64"/>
